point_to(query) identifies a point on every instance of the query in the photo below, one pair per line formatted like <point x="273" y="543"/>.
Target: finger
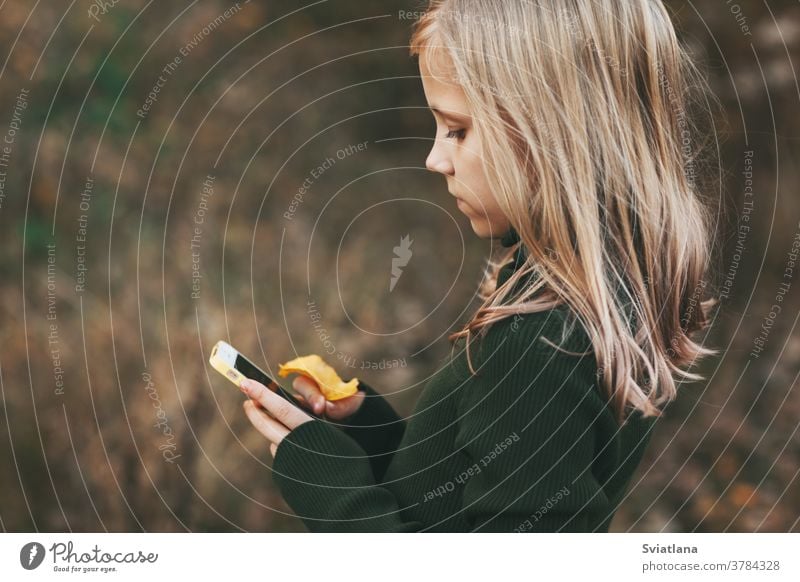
<point x="272" y="448"/>
<point x="269" y="427"/>
<point x="282" y="410"/>
<point x="310" y="391"/>
<point x="345" y="406"/>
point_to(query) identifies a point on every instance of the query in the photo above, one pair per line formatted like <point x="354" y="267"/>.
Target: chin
<point x="484" y="230"/>
<point x="481" y="230"/>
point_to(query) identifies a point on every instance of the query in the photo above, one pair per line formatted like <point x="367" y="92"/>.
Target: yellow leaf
<point x="314" y="367"/>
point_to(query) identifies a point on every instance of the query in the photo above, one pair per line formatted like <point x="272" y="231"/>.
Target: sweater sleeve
<point x="377" y="428"/>
<point x="526" y="425"/>
<point x="326" y="478"/>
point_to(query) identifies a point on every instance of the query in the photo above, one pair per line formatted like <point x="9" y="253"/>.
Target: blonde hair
<point x="583" y="111"/>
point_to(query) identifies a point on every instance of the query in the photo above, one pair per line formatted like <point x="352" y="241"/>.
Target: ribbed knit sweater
<point x="529" y="444"/>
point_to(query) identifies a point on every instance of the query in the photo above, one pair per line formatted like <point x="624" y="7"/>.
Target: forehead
<point x="435" y="64"/>
<point x="440" y="80"/>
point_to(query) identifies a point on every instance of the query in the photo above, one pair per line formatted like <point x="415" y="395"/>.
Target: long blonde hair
<point x="585" y="113"/>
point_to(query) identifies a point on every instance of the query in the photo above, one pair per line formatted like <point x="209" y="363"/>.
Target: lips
<point x="459" y="200"/>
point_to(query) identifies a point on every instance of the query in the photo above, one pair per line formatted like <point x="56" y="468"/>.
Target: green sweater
<point x="529" y="444"/>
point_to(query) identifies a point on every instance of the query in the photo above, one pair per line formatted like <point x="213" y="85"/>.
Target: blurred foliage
<point x="258" y="103"/>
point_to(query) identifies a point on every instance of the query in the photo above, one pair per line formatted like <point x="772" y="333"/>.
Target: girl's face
<point x="456" y="152"/>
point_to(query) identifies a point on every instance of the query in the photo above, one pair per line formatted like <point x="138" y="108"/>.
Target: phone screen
<point x="247" y="368"/>
<point x="252" y="371"/>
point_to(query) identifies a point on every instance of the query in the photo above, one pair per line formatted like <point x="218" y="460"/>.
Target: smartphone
<point x="229" y="362"/>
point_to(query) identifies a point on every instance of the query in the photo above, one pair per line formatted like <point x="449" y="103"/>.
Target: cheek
<point x="469" y="170"/>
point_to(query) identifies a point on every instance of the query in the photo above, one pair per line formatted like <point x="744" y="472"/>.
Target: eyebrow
<point x="453" y="116"/>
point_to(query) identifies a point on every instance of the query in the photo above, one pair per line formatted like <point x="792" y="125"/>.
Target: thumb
<point x="346" y="405"/>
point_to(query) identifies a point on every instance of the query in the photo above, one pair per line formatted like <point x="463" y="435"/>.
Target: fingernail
<point x="245" y="386"/>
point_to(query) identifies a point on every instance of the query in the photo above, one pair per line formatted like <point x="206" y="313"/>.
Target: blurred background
<point x="175" y="173"/>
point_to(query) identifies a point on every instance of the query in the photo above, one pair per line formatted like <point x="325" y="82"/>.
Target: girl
<point x="563" y="131"/>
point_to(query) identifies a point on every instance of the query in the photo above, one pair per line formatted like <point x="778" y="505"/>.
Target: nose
<point x="438" y="159"/>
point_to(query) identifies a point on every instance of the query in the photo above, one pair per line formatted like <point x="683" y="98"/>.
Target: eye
<point x="456" y="133"/>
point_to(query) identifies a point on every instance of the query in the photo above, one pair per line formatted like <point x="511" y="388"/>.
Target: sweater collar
<point x="508" y="240"/>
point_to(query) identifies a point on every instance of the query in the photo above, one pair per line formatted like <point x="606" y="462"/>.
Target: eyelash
<point x="456" y="133"/>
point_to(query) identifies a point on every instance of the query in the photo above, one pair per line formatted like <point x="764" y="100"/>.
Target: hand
<point x="311" y="397"/>
<point x="283" y="416"/>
